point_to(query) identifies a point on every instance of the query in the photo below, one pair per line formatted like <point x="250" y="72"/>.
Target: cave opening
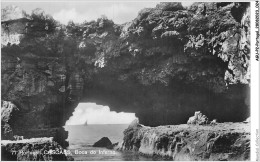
<point x="90" y="122"/>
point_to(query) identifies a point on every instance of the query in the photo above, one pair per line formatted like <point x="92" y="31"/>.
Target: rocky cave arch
<point x="161" y="70"/>
<point x="163" y="105"/>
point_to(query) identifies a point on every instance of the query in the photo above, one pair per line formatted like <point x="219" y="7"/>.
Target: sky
<point x="98" y="114"/>
<point x="79" y="11"/>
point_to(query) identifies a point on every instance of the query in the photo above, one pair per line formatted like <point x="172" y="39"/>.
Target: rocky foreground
<point x="220" y="142"/>
<point x="35" y="149"/>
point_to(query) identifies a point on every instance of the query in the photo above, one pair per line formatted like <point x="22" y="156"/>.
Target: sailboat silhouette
<point x="86" y="123"/>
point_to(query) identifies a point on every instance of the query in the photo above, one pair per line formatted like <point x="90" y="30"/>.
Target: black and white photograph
<point x="129" y="80"/>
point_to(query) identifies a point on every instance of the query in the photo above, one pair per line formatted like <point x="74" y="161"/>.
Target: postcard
<point x="129" y="80"/>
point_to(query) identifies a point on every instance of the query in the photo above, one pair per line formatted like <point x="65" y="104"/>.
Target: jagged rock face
<point x="7" y="110"/>
<point x="222" y="142"/>
<point x="164" y="65"/>
<point x="198" y="119"/>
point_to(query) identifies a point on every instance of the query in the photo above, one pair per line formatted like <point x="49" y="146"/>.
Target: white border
<point x="254" y="87"/>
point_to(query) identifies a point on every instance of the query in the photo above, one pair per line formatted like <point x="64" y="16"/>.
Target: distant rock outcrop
<point x="103" y="142"/>
<point x="198" y="118"/>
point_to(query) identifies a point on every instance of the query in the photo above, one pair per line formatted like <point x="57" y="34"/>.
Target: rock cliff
<point x="167" y="63"/>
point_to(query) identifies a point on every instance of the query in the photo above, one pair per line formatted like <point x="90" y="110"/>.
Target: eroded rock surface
<point x="7" y="110"/>
<point x="36" y="149"/>
<point x="198" y="118"/>
<point x="221" y="142"/>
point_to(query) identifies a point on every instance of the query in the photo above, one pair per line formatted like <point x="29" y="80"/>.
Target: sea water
<point x="81" y="138"/>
